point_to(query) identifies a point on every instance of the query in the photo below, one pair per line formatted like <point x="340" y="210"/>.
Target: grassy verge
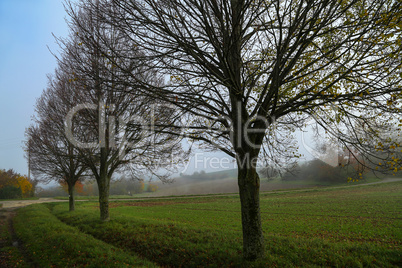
<point x="10" y="256"/>
<point x="347" y="227"/>
<point x="50" y="243"/>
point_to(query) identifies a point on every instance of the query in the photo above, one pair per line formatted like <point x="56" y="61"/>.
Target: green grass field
<point x="349" y="227"/>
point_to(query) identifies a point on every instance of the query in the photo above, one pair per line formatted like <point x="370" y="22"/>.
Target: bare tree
<point x="52" y="157"/>
<point x="112" y="129"/>
<point x="242" y="69"/>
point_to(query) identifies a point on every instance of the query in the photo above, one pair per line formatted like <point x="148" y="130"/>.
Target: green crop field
<point x="341" y="227"/>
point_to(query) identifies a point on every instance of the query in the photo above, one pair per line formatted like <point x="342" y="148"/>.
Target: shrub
<point x="10" y="192"/>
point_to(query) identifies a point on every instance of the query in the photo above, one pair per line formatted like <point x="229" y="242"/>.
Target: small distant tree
<point x="23" y="183"/>
<point x="90" y="188"/>
<point x="78" y="187"/>
<point x="152" y="187"/>
<point x="135" y="186"/>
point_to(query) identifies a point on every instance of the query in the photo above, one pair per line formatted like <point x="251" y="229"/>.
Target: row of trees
<point x="86" y="124"/>
<point x="242" y="76"/>
<point x="14" y="185"/>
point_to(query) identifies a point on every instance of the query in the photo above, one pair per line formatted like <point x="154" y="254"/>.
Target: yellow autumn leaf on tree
<point x="24" y="184"/>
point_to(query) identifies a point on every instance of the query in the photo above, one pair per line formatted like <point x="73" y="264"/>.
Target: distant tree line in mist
<point x="122" y="186"/>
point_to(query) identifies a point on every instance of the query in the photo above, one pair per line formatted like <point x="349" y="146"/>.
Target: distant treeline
<point x="122" y="186"/>
<point x="203" y="176"/>
<point x="317" y="170"/>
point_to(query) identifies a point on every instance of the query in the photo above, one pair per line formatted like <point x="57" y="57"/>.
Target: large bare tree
<point x="240" y="69"/>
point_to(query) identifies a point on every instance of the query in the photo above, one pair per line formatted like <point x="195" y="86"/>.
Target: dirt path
<point x="23" y="203"/>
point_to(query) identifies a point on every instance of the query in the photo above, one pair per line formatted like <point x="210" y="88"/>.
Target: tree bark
<point x="103" y="186"/>
<point x="71" y="197"/>
<point x="249" y="188"/>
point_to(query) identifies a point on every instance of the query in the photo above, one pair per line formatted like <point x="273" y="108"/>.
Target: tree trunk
<point x="71" y="197"/>
<point x="103" y="186"/>
<point x="249" y="189"/>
